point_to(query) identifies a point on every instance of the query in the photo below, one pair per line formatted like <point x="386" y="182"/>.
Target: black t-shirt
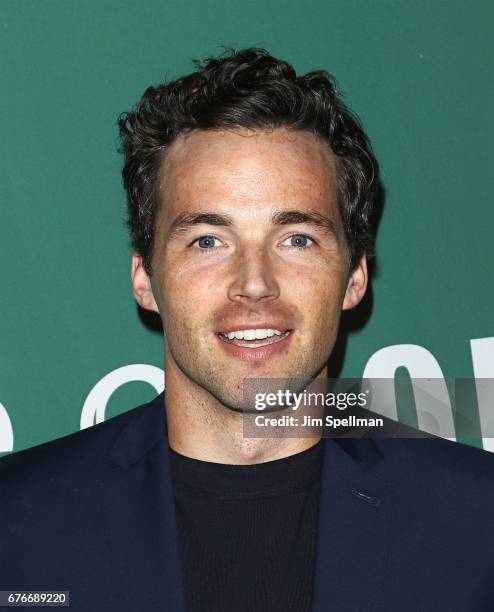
<point x="248" y="532"/>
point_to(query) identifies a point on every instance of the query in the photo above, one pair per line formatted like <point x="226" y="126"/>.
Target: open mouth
<point x="254" y="338"/>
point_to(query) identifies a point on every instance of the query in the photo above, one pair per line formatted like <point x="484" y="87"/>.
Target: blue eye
<point x="205" y="243"/>
<point x="299" y="241"/>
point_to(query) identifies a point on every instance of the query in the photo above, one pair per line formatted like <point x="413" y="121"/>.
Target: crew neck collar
<point x="276" y="477"/>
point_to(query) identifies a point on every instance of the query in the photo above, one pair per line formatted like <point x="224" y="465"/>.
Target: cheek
<point x="317" y="290"/>
<point x="186" y="299"/>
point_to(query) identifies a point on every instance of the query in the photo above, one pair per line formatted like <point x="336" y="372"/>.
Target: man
<point x="250" y="191"/>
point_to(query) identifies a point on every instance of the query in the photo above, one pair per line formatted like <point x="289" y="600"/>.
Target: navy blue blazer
<point x="404" y="524"/>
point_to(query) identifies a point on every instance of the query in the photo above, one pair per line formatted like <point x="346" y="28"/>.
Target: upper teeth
<point x="253" y="334"/>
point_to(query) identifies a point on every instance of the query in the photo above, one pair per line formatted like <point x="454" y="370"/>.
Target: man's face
<point x="249" y="237"/>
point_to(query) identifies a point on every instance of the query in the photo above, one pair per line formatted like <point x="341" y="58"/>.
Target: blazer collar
<point x="353" y="526"/>
<point x="144" y="427"/>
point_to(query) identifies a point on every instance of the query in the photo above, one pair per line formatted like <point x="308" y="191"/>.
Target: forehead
<point x="248" y="168"/>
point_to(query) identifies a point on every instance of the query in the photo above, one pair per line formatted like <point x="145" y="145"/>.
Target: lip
<point x="259" y="353"/>
<point x="241" y="327"/>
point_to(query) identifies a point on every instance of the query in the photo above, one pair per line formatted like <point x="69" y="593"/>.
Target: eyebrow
<point x="185" y="220"/>
<point x="288" y="217"/>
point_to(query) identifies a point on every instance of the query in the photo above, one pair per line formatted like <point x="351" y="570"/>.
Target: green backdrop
<point x="418" y="73"/>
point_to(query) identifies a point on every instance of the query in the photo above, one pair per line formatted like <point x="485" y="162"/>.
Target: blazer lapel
<point x="138" y="512"/>
<point x="354" y="527"/>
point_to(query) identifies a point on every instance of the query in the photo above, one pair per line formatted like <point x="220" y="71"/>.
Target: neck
<point x="200" y="427"/>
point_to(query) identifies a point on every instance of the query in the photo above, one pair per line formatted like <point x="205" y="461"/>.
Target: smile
<point x="254" y="338"/>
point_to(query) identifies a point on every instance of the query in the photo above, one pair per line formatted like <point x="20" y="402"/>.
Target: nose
<point x="254" y="279"/>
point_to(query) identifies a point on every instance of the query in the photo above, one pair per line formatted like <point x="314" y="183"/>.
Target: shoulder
<point x="439" y="463"/>
<point x="71" y="455"/>
<point x="412" y="452"/>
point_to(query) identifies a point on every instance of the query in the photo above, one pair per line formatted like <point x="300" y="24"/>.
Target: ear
<point x="141" y="284"/>
<point x="357" y="284"/>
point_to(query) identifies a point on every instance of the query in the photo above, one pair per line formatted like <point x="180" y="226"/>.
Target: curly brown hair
<point x="246" y="89"/>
